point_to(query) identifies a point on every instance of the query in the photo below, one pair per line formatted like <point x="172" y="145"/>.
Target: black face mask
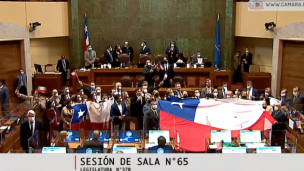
<point x="264" y="107"/>
<point x="165" y="62"/>
<point x="156" y="94"/>
<point x="185" y="96"/>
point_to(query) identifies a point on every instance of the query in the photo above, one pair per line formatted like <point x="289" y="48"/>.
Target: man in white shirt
<point x="223" y="92"/>
<point x="145" y="49"/>
<point x="118" y="111"/>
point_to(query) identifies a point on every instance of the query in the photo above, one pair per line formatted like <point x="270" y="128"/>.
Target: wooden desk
<point x="260" y="80"/>
<point x="106" y="77"/>
<point x="50" y="81"/>
<point x="12" y="142"/>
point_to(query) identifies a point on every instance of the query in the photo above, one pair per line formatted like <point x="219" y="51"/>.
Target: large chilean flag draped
<point x="194" y="118"/>
<point x="79" y="120"/>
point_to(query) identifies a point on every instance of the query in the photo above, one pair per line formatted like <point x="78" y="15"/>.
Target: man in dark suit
<point x="94" y="142"/>
<point x="207" y="92"/>
<point x="137" y="104"/>
<point x="4" y="99"/>
<point x="118" y="111"/>
<point x="128" y="50"/>
<point x="196" y="58"/>
<point x="161" y="141"/>
<point x="149" y="72"/>
<point x="237" y="63"/>
<point x="166" y="73"/>
<point x="145" y="49"/>
<point x="298" y="99"/>
<point x="284" y="100"/>
<point x="178" y="92"/>
<point x="171" y="52"/>
<point x="65" y="96"/>
<point x="268" y="93"/>
<point x="63" y="66"/>
<point x="278" y="114"/>
<point x="223" y="92"/>
<point x="108" y="57"/>
<point x="28" y="128"/>
<point x="247" y="59"/>
<point x="252" y="93"/>
<point x="22" y="82"/>
<point x="152" y="117"/>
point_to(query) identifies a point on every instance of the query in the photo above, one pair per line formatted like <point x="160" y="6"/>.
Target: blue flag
<point x="80" y="113"/>
<point x="217" y="57"/>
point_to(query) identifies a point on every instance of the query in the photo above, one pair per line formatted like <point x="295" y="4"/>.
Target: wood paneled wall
<point x="292" y="65"/>
<point x="10" y="57"/>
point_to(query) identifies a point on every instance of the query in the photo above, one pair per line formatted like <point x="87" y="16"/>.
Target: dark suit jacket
<point x="297" y="103"/>
<point x="175" y="51"/>
<point x="115" y="113"/>
<point x="169" y="72"/>
<point x="151" y="120"/>
<point x="137" y="106"/>
<point x="204" y="93"/>
<point x="168" y="147"/>
<point x="107" y="57"/>
<point x="279" y="116"/>
<point x="4" y="95"/>
<point x="63" y="99"/>
<point x="178" y="93"/>
<point x="248" y="58"/>
<point x="60" y="66"/>
<point x="25" y="132"/>
<point x="152" y="88"/>
<point x="255" y="93"/>
<point x="129" y="51"/>
<point x="286" y="101"/>
<point x="195" y="60"/>
<point x="21" y="79"/>
<point x="146" y="50"/>
<point x="93" y="143"/>
<point x="149" y="76"/>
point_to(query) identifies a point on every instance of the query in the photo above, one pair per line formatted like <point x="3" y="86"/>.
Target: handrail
<point x="300" y="139"/>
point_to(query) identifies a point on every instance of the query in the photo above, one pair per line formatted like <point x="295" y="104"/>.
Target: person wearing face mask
<point x="297" y="99"/>
<point x="81" y="92"/>
<point x="53" y="119"/>
<point x="216" y="94"/>
<point x="145" y="49"/>
<point x="36" y="102"/>
<point x="65" y="96"/>
<point x="156" y="96"/>
<point x="283" y="99"/>
<point x="166" y="73"/>
<point x="169" y="95"/>
<point x="144" y="90"/>
<point x="237" y="93"/>
<point x="171" y="52"/>
<point x="127" y="101"/>
<point x="244" y="94"/>
<point x="137" y="104"/>
<point x="152" y="117"/>
<point x="229" y="95"/>
<point x="197" y="94"/>
<point x="98" y="95"/>
<point x="108" y="57"/>
<point x="118" y="89"/>
<point x="118" y="112"/>
<point x="252" y="93"/>
<point x="78" y="99"/>
<point x="28" y="128"/>
<point x="207" y="91"/>
<point x="149" y="72"/>
<point x="223" y="92"/>
<point x="67" y="114"/>
<point x="56" y="98"/>
<point x="278" y="114"/>
<point x="22" y="82"/>
<point x="178" y="92"/>
<point x="197" y="59"/>
<point x="117" y="51"/>
<point x="128" y="50"/>
<point x="185" y="95"/>
<point x="268" y="93"/>
<point x="89" y="57"/>
<point x="89" y="89"/>
<point x="63" y="66"/>
<point x="247" y="59"/>
<point x="237" y="67"/>
<point x="267" y="105"/>
<point x="147" y="106"/>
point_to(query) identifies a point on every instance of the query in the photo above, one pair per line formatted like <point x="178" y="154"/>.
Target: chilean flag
<point x="86" y="33"/>
<point x="79" y="120"/>
<point x="193" y="119"/>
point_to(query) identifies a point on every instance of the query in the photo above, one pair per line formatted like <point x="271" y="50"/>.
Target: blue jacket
<point x="4" y="95"/>
<point x="115" y="113"/>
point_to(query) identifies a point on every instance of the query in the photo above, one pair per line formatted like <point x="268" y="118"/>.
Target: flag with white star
<point x="80" y="113"/>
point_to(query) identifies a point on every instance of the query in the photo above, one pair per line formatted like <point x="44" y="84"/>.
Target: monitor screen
<point x="161" y="150"/>
<point x="274" y="149"/>
<point x="48" y="150"/>
<point x="218" y="136"/>
<point x="38" y="68"/>
<point x="128" y="136"/>
<point x="270" y="134"/>
<point x="234" y="150"/>
<point x="103" y="136"/>
<point x="89" y="150"/>
<point x="73" y="136"/>
<point x="154" y="134"/>
<point x="125" y="150"/>
<point x="249" y="136"/>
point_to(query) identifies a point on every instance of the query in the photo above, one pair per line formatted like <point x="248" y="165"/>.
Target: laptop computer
<point x="128" y="136"/>
<point x="73" y="136"/>
<point x="103" y="136"/>
<point x="89" y="150"/>
<point x="154" y="134"/>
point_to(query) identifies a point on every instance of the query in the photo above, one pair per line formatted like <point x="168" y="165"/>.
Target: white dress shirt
<point x="120" y="108"/>
<point x="31" y="126"/>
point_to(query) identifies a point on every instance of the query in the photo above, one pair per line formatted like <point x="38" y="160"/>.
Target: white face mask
<point x="154" y="106"/>
<point x="148" y="63"/>
<point x="111" y="49"/>
<point x="197" y="94"/>
<point x="228" y="97"/>
<point x="276" y="108"/>
<point x="198" y="55"/>
<point x="248" y="87"/>
<point x="215" y="94"/>
<point x="67" y="91"/>
<point x="31" y="119"/>
<point x="142" y="45"/>
<point x="247" y="51"/>
<point x="225" y="85"/>
<point x="266" y="94"/>
<point x="145" y="90"/>
<point x="98" y="91"/>
<point x="22" y="72"/>
<point x="90" y="48"/>
<point x="295" y="93"/>
<point x="172" y="45"/>
<point x="236" y="92"/>
<point x="282" y="94"/>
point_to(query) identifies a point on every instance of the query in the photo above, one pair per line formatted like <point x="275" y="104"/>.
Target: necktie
<point x="155" y="113"/>
<point x="165" y="67"/>
<point x="248" y="94"/>
<point x="111" y="57"/>
<point x="32" y="128"/>
<point x="239" y="61"/>
<point x="294" y="99"/>
<point x="90" y="54"/>
<point x="224" y="92"/>
<point x="63" y="64"/>
<point x="21" y="80"/>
